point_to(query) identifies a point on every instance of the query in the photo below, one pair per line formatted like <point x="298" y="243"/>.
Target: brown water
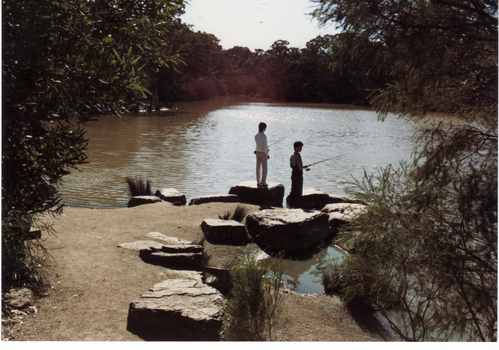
<point x="207" y="147"/>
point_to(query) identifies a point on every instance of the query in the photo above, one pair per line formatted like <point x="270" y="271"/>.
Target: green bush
<point x="253" y="308"/>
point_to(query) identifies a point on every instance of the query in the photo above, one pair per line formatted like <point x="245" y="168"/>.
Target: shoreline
<point x="93" y="281"/>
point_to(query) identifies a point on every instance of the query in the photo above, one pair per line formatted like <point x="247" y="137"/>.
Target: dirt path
<point x="94" y="281"/>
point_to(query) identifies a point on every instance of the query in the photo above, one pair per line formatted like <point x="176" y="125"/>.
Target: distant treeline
<point x="317" y="73"/>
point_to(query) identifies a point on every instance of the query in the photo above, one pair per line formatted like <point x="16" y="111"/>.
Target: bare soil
<point x="93" y="281"/>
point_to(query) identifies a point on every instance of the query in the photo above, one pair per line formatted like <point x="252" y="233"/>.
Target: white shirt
<point x="261" y="143"/>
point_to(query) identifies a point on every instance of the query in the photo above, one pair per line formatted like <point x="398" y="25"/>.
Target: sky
<point x="255" y="24"/>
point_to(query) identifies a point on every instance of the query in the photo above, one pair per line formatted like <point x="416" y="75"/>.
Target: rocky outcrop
<point x="140" y="200"/>
<point x="218" y="231"/>
<point x="294" y="231"/>
<point x="215" y="198"/>
<point x="250" y="192"/>
<point x="177" y="309"/>
<point x="316" y="200"/>
<point x="171" y="195"/>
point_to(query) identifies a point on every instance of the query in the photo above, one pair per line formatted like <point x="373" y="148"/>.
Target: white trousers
<point x="261" y="168"/>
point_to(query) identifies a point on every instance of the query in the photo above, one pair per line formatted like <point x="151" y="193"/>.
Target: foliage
<point x="428" y="242"/>
<point x="63" y="62"/>
<point x="237" y="215"/>
<point x="442" y="54"/>
<point x="252" y="311"/>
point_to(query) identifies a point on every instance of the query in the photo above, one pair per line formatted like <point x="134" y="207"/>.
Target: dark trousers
<point x="296" y="189"/>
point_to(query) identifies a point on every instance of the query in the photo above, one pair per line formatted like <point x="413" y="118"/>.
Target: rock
<point x="140" y="200"/>
<point x="341" y="213"/>
<point x="294" y="231"/>
<point x="187" y="257"/>
<point x="19" y="298"/>
<point x="250" y="192"/>
<point x="218" y="231"/>
<point x="139" y="245"/>
<point x="165" y="238"/>
<point x="177" y="309"/>
<point x="171" y="195"/>
<point x="315" y="199"/>
<point x="215" y="198"/>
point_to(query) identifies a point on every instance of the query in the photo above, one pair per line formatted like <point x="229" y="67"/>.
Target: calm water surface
<point x="207" y="147"/>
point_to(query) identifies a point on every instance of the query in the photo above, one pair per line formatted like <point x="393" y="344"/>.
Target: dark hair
<point x="262" y="126"/>
<point x="298" y="144"/>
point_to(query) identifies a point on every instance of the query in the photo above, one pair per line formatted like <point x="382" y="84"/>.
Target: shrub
<point x="253" y="308"/>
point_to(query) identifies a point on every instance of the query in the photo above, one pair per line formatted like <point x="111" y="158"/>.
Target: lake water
<point x="207" y="147"/>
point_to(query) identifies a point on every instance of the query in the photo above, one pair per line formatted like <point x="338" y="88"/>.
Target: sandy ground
<point x="93" y="281"/>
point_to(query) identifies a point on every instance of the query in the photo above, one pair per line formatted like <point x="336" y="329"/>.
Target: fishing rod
<point x="273" y="143"/>
<point x="320" y="161"/>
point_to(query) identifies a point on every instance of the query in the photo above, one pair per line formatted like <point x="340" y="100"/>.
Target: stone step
<point x="180" y="261"/>
<point x="177" y="309"/>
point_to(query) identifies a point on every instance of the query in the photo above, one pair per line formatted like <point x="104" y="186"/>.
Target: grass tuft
<point x="138" y="187"/>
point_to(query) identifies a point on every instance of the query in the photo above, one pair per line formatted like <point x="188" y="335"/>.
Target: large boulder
<point x="218" y="231"/>
<point x="293" y="231"/>
<point x="140" y="200"/>
<point x="220" y="198"/>
<point x="250" y="192"/>
<point x="171" y="195"/>
<point x="177" y="309"/>
<point x="316" y="199"/>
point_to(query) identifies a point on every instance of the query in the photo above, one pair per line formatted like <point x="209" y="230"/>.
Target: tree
<point x="428" y="241"/>
<point x="63" y="62"/>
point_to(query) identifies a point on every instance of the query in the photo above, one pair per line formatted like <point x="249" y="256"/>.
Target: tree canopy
<point x="63" y="62"/>
<point x="427" y="244"/>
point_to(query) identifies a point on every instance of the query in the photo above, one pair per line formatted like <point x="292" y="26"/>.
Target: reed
<point x="238" y="214"/>
<point x="138" y="187"/>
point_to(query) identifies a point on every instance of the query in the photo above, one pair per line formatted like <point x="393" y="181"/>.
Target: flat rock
<point x="290" y="230"/>
<point x="221" y="198"/>
<point x="168" y="239"/>
<point x="171" y="195"/>
<point x="341" y="213"/>
<point x="316" y="199"/>
<point x="140" y="200"/>
<point x="218" y="231"/>
<point x="177" y="309"/>
<point x="186" y="256"/>
<point x="250" y="192"/>
<point x="139" y="245"/>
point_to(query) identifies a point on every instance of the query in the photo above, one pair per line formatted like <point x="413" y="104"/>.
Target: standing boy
<point x="262" y="154"/>
<point x="296" y="176"/>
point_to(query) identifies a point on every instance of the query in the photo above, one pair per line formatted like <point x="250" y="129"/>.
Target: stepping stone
<point x="177" y="309"/>
<point x="171" y="195"/>
<point x="218" y="231"/>
<point x="250" y="192"/>
<point x="221" y="198"/>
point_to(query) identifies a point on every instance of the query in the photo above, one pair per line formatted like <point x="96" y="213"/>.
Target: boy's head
<point x="297" y="144"/>
<point x="262" y="126"/>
